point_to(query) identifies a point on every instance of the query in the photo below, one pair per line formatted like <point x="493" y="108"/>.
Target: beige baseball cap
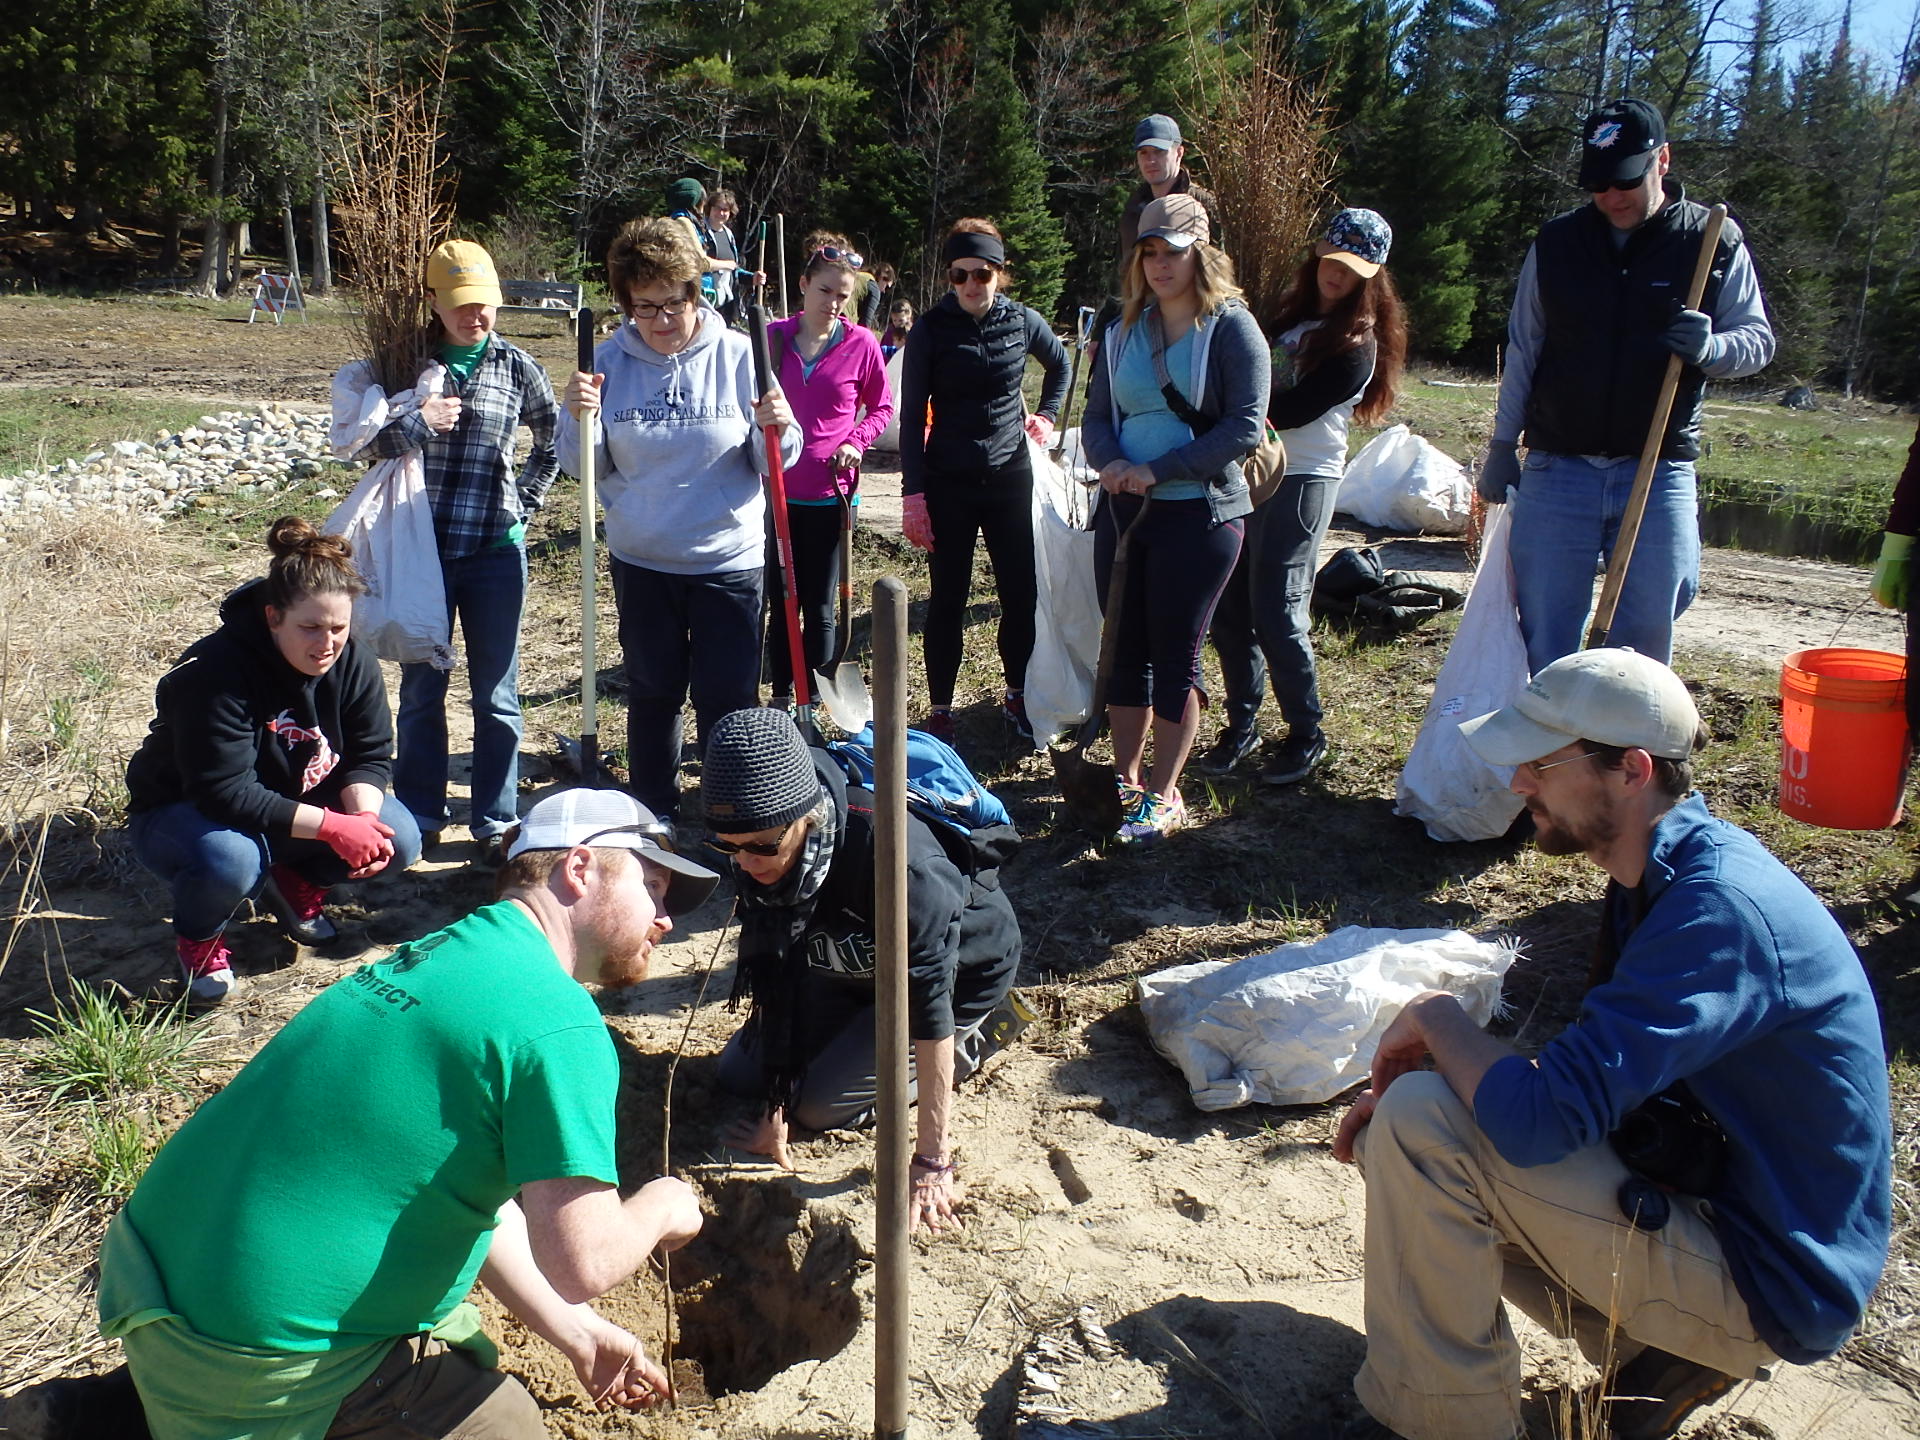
<point x="460" y="272"/>
<point x="1178" y="219"/>
<point x="1611" y="697"/>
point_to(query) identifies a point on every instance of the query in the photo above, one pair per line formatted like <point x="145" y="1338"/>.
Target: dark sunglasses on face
<point x="965" y="275"/>
<point x="1633" y="184"/>
<point x="765" y="849"/>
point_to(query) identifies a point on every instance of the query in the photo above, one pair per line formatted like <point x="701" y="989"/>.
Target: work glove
<point x="357" y="838"/>
<point x="1690" y="336"/>
<point x="1041" y="429"/>
<point x="914" y="523"/>
<point x="1499" y="471"/>
<point x="1891" y="573"/>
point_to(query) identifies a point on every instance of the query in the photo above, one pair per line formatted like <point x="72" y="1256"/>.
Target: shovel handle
<point x="589" y="565"/>
<point x="777" y="500"/>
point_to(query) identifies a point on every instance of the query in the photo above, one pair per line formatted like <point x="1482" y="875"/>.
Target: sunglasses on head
<point x="656" y="831"/>
<point x="966" y="275"/>
<point x="843" y="257"/>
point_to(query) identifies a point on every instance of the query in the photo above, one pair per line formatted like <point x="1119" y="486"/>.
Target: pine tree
<point x="1008" y="179"/>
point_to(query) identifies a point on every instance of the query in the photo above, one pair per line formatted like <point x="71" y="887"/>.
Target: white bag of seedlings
<point x="1445" y="783"/>
<point x="1300" y="1024"/>
<point x="388" y="520"/>
<point x="1399" y="481"/>
<point x="888" y="441"/>
<point x="1066" y="641"/>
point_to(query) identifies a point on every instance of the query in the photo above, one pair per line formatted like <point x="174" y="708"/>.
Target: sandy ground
<point x="1221" y="1254"/>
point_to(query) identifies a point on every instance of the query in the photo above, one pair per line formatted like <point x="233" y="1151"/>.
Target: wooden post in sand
<point x="892" y="1344"/>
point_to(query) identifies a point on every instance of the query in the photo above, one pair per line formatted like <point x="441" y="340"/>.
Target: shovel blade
<point x="843" y="692"/>
<point x="1092" y="797"/>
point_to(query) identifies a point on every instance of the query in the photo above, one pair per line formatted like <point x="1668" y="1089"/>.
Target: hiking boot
<point x="1294" y="758"/>
<point x="1155" y="817"/>
<point x="77" y="1409"/>
<point x="298" y="904"/>
<point x="1226" y="753"/>
<point x="939" y="724"/>
<point x="490" y="851"/>
<point x="207" y="966"/>
<point x="1653" y="1392"/>
<point x="1013" y="709"/>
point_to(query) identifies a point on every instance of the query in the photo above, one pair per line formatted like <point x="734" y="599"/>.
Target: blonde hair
<point x="652" y="252"/>
<point x="1213" y="282"/>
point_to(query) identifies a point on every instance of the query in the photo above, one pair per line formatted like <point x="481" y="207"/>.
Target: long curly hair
<point x="1371" y="308"/>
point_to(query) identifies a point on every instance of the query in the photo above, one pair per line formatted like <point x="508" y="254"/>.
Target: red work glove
<point x="914" y="523"/>
<point x="1041" y="429"/>
<point x="359" y="838"/>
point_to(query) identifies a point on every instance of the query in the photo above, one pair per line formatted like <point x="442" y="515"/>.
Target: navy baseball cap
<point x="1618" y="142"/>
<point x="1359" y="239"/>
<point x="1160" y="131"/>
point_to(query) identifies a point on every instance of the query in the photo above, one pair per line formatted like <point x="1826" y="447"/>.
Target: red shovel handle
<point x="777" y="498"/>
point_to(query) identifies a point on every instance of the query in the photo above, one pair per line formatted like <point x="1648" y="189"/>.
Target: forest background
<point x="886" y="119"/>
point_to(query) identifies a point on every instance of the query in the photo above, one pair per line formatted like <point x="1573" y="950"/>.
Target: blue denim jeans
<point x="1566" y="516"/>
<point x="1263" y="624"/>
<point x="211" y="868"/>
<point x="485" y="592"/>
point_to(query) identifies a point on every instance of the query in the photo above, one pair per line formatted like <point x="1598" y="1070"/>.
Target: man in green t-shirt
<point x="294" y="1262"/>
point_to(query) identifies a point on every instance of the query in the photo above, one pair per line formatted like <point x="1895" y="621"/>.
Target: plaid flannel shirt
<point x="471" y="485"/>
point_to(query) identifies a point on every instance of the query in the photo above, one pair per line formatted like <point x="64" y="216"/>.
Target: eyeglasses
<point x="843" y="257"/>
<point x="965" y="275"/>
<point x="765" y="849"/>
<point x="1536" y="769"/>
<point x="647" y="310"/>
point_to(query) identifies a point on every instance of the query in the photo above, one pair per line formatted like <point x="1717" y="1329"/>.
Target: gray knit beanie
<point x="758" y="774"/>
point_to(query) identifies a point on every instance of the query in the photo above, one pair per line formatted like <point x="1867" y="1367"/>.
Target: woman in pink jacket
<point x="833" y="375"/>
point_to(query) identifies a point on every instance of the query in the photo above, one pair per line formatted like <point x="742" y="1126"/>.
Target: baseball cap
<point x="459" y="272"/>
<point x="1612" y="697"/>
<point x="1618" y="142"/>
<point x="1178" y="219"/>
<point x="608" y="819"/>
<point x="1160" y="131"/>
<point x="1358" y="239"/>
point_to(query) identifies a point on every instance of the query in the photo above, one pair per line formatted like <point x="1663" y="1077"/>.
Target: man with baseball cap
<point x="1693" y="1178"/>
<point x="1159" y="155"/>
<point x="296" y="1259"/>
<point x="1600" y="307"/>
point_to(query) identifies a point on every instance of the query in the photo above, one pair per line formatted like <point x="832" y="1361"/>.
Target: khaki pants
<point x="427" y="1390"/>
<point x="1451" y="1228"/>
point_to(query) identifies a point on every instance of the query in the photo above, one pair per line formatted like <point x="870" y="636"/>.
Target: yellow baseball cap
<point x="459" y="272"/>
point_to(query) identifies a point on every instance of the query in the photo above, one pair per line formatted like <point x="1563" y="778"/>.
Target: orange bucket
<point x="1844" y="744"/>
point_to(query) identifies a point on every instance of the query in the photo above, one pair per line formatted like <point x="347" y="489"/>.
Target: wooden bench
<point x="531" y="297"/>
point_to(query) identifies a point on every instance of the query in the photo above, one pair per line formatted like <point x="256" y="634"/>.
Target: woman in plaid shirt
<point x="480" y="505"/>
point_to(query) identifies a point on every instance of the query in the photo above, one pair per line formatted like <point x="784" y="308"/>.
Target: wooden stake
<point x="892" y="1346"/>
<point x="780" y="259"/>
<point x="1650" y="453"/>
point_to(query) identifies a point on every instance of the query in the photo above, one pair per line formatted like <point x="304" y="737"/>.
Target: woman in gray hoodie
<point x="679" y="463"/>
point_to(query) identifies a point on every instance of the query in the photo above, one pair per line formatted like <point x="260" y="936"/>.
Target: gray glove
<point x="1690" y="336"/>
<point x="1498" y="471"/>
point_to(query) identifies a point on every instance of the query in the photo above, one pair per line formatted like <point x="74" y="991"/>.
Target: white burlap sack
<point x="1066" y="644"/>
<point x="1445" y="783"/>
<point x="1300" y="1024"/>
<point x="1399" y="481"/>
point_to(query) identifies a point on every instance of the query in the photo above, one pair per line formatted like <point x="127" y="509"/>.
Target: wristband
<point x="933" y="1165"/>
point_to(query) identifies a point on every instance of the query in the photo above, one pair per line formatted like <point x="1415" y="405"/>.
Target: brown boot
<point x="92" y="1407"/>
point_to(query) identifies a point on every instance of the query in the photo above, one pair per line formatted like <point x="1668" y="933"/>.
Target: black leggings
<point x="999" y="506"/>
<point x="816" y="564"/>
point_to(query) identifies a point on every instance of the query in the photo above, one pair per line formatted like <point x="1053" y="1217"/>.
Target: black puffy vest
<point x="974" y="370"/>
<point x="1601" y="361"/>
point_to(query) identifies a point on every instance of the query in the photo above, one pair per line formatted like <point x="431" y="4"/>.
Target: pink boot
<point x="296" y="903"/>
<point x="208" y="966"/>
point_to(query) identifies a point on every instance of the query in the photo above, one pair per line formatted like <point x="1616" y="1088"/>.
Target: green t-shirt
<point x="344" y="1187"/>
<point x="462" y="360"/>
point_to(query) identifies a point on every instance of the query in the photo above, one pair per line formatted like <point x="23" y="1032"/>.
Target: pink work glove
<point x="359" y="838"/>
<point x="1041" y="429"/>
<point x="914" y="523"/>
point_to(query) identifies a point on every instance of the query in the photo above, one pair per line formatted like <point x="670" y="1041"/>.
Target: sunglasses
<point x="647" y="310"/>
<point x="1633" y="184"/>
<point x="660" y="834"/>
<point x="843" y="257"/>
<point x="964" y="275"/>
<point x="765" y="849"/>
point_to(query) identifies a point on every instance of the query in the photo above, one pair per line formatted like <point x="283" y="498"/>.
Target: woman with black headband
<point x="967" y="475"/>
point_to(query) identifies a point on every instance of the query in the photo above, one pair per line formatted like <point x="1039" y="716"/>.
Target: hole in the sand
<point x="768" y="1283"/>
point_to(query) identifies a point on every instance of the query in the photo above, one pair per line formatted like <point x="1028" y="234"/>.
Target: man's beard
<point x="1555" y="836"/>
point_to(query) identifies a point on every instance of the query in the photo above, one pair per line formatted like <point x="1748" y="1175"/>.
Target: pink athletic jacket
<point x="849" y="375"/>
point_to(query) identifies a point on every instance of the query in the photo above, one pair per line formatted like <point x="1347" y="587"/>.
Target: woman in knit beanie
<point x="801" y="842"/>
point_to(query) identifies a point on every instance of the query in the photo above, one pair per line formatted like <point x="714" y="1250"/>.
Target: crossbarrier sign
<point x="275" y="295"/>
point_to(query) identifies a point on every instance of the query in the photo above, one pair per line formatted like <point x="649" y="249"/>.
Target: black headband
<point x="966" y="245"/>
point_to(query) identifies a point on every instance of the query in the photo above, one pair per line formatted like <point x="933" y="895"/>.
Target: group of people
<point x="1693" y="1179"/>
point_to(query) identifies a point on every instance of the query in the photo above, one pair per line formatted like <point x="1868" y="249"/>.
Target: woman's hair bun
<point x="307" y="561"/>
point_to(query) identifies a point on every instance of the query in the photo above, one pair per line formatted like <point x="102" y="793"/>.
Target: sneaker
<point x="298" y="904"/>
<point x="75" y="1408"/>
<point x="1653" y="1392"/>
<point x="1132" y="796"/>
<point x="1155" y="816"/>
<point x="1014" y="710"/>
<point x="1294" y="758"/>
<point x="1226" y="753"/>
<point x="939" y="724"/>
<point x="207" y="966"/>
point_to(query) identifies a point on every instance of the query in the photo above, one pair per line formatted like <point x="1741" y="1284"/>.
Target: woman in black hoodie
<point x="268" y="759"/>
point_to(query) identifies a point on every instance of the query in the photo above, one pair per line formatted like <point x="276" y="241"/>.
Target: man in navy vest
<point x="1600" y="306"/>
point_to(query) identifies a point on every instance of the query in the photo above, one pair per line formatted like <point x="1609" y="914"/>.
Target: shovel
<point x="582" y="756"/>
<point x="1082" y="328"/>
<point x="782" y="531"/>
<point x="841" y="687"/>
<point x="1089" y="789"/>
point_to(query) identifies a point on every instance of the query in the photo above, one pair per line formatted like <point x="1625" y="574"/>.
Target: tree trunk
<point x="241" y="233"/>
<point x="322" y="239"/>
<point x="214" y="237"/>
<point x="292" y="242"/>
<point x="170" y="245"/>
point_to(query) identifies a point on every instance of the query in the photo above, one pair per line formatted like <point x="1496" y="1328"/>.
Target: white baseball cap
<point x="610" y="819"/>
<point x="1611" y="697"/>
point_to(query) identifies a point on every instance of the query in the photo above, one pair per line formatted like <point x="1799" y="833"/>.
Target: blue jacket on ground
<point x="1738" y="981"/>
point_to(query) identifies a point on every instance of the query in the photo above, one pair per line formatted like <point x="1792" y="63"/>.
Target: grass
<point x="99" y="1047"/>
<point x="41" y="427"/>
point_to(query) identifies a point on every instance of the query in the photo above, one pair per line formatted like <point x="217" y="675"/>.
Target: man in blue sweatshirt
<point x="1693" y="1179"/>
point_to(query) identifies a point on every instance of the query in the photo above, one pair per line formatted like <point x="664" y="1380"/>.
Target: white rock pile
<point x="221" y="461"/>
